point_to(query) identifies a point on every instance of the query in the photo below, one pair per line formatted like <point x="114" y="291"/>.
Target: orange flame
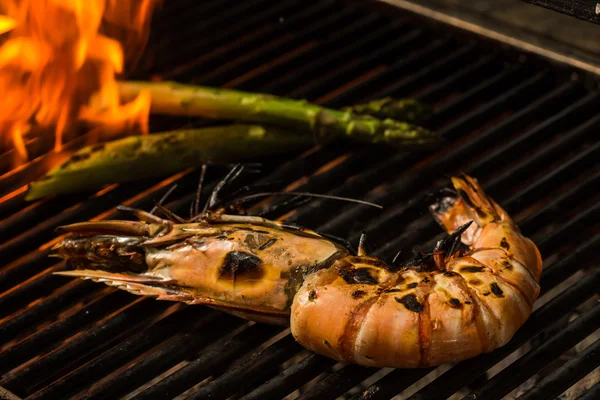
<point x="58" y="64"/>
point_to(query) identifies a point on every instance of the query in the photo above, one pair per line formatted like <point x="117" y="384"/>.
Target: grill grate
<point x="523" y="127"/>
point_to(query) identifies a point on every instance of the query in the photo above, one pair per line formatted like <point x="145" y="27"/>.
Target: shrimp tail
<point x="492" y="227"/>
<point x="467" y="202"/>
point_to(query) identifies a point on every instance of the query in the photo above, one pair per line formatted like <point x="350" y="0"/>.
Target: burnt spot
<point x="222" y="237"/>
<point x="267" y="244"/>
<point x="394" y="291"/>
<point x="97" y="147"/>
<point x="486" y="293"/>
<point x="410" y="302"/>
<point x="506" y="264"/>
<point x="80" y="157"/>
<point x="472" y="268"/>
<point x="359" y="275"/>
<point x="75" y="158"/>
<point x="475" y="282"/>
<point x="454" y="303"/>
<point x="425" y="280"/>
<point x="450" y="273"/>
<point x="504" y="244"/>
<point x="496" y="290"/>
<point x="239" y="264"/>
<point x="357" y="294"/>
<point x="467" y="302"/>
<point x="312" y="295"/>
<point x="412" y="285"/>
<point x="326" y="343"/>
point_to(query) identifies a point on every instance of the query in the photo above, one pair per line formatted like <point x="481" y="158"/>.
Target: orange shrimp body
<point x="443" y="307"/>
<point x="361" y="310"/>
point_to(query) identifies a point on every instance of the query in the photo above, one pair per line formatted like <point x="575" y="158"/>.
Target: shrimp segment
<point x="448" y="308"/>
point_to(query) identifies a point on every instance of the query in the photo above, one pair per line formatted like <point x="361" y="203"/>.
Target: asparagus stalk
<point x="173" y="98"/>
<point x="142" y="157"/>
<point x="407" y="110"/>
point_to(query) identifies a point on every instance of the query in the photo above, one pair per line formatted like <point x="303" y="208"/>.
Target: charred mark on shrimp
<point x="496" y="290"/>
<point x="410" y="302"/>
<point x="504" y="244"/>
<point x="472" y="269"/>
<point x="357" y="294"/>
<point x="239" y="264"/>
<point x="454" y="303"/>
<point x="506" y="264"/>
<point x="359" y="275"/>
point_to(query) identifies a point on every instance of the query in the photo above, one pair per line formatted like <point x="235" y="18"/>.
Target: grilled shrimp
<point x="251" y="268"/>
<point x="441" y="307"/>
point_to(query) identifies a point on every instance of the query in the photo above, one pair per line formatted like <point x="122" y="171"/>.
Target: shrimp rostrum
<point x="466" y="297"/>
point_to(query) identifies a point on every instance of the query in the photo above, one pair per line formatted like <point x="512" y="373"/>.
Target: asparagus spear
<point x="188" y="100"/>
<point x="160" y="154"/>
<point x="408" y="110"/>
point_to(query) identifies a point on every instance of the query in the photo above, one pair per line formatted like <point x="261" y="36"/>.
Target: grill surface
<point x="524" y="128"/>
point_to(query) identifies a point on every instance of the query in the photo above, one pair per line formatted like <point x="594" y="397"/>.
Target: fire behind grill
<point x="523" y="127"/>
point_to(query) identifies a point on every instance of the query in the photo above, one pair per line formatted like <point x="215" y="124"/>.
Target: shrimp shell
<point x="361" y="310"/>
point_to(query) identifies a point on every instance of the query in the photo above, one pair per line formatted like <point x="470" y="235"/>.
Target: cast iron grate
<point x="526" y="129"/>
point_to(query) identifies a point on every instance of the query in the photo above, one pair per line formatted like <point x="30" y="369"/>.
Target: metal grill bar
<point x="84" y="333"/>
<point x="192" y="335"/>
<point x="259" y="366"/>
<point x="211" y="45"/>
<point x="28" y="348"/>
<point x="113" y="329"/>
<point x="294" y="376"/>
<point x="536" y="359"/>
<point x="214" y="358"/>
<point x="248" y="62"/>
<point x="592" y="393"/>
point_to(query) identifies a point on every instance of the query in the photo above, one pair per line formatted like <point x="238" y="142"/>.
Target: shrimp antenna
<point x="195" y="206"/>
<point x="361" y="245"/>
<point x="230" y="177"/>
<point x="396" y="257"/>
<point x="163" y="199"/>
<point x="141" y="214"/>
<point x="322" y="196"/>
<point x="170" y="214"/>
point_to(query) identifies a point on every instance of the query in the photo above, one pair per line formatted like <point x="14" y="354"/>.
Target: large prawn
<point x="445" y="306"/>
